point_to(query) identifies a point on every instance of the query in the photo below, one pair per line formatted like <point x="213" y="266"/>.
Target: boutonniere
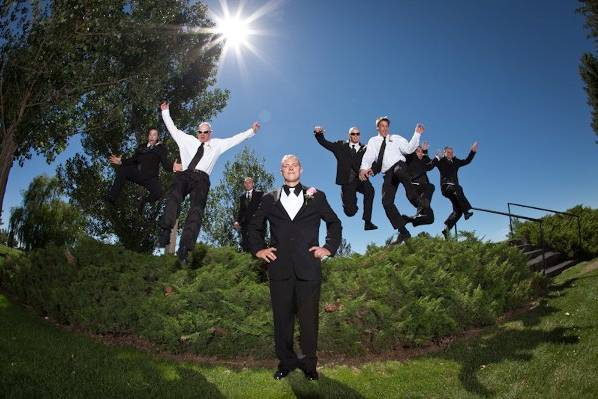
<point x="309" y="194"/>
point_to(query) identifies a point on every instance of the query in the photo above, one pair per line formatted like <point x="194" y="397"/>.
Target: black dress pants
<point x="394" y="176"/>
<point x="420" y="196"/>
<point x="300" y="297"/>
<point x="197" y="185"/>
<point x="131" y="173"/>
<point x="454" y="193"/>
<point x="349" y="197"/>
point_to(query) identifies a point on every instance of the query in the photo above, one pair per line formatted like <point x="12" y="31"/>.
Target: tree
<point x="588" y="68"/>
<point x="158" y="59"/>
<point x="223" y="199"/>
<point x="44" y="217"/>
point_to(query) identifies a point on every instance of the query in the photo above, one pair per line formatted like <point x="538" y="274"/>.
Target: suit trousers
<point x="131" y="173"/>
<point x="394" y="176"/>
<point x="420" y="196"/>
<point x="300" y="297"/>
<point x="349" y="197"/>
<point x="454" y="193"/>
<point x="197" y="185"/>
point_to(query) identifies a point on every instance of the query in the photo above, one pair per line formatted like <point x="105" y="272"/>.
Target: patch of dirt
<point x="590" y="267"/>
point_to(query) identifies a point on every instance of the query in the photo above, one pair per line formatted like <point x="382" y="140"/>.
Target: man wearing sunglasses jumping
<point x="198" y="156"/>
<point x="348" y="156"/>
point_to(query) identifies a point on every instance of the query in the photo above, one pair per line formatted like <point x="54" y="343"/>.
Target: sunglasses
<point x="203" y="132"/>
<point x="354" y="134"/>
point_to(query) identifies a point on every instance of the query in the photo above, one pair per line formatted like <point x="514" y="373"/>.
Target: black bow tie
<point x="296" y="189"/>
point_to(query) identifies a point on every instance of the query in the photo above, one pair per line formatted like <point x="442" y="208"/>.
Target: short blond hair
<point x="289" y="156"/>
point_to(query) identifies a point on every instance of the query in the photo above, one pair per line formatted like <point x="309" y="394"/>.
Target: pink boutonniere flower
<point x="309" y="193"/>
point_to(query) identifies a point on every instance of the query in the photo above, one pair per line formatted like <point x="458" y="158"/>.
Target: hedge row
<point x="561" y="233"/>
<point x="220" y="304"/>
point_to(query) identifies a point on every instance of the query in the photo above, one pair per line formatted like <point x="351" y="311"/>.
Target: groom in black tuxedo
<point x="294" y="213"/>
<point x="248" y="203"/>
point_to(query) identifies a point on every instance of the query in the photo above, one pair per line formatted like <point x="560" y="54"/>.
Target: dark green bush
<point x="561" y="233"/>
<point x="219" y="304"/>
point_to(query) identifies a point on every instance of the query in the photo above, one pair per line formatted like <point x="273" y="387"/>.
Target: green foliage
<point x="44" y="217"/>
<point x="223" y="199"/>
<point x="220" y="304"/>
<point x="152" y="52"/>
<point x="561" y="232"/>
<point x="588" y="68"/>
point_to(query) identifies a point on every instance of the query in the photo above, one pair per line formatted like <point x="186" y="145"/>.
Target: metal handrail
<point x="577" y="217"/>
<point x="537" y="220"/>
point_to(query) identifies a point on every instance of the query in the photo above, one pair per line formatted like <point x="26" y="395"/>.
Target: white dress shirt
<point x="212" y="149"/>
<point x="249" y="194"/>
<point x="291" y="203"/>
<point x="396" y="148"/>
<point x="356" y="146"/>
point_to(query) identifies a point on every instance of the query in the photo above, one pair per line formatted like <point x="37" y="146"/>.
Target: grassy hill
<point x="548" y="351"/>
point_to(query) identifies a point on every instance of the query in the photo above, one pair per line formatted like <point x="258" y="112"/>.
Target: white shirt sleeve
<point x="228" y="143"/>
<point x="408" y="147"/>
<point x="371" y="152"/>
<point x="182" y="139"/>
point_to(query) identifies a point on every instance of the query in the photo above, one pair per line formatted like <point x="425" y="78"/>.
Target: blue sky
<point x="503" y="73"/>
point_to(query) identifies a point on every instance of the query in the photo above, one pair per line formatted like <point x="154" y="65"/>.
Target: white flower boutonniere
<point x="309" y="194"/>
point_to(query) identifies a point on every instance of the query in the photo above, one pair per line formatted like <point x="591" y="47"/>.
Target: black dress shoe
<point x="281" y="373"/>
<point x="445" y="233"/>
<point x="467" y="215"/>
<point x="311" y="375"/>
<point x="369" y="225"/>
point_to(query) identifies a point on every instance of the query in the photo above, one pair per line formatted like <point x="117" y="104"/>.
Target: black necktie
<point x="377" y="166"/>
<point x="296" y="189"/>
<point x="196" y="158"/>
<point x="249" y="195"/>
<point x="354" y="148"/>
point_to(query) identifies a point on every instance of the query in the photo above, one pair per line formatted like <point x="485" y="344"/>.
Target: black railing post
<point x="510" y="219"/>
<point x="543" y="249"/>
<point x="456" y="232"/>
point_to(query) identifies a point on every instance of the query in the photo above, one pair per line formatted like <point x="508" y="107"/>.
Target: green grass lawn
<point x="550" y="351"/>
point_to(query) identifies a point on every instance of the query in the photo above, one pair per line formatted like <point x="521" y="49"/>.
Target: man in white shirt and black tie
<point x="386" y="153"/>
<point x="198" y="157"/>
<point x="248" y="203"/>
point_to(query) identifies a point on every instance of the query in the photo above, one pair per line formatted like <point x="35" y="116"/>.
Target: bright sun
<point x="234" y="30"/>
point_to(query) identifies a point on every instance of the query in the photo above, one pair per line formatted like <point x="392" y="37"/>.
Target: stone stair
<point x="556" y="262"/>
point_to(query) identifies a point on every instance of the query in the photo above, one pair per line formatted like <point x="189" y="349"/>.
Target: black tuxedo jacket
<point x="148" y="160"/>
<point x="293" y="238"/>
<point x="347" y="161"/>
<point x="449" y="169"/>
<point x="248" y="208"/>
<point x="418" y="168"/>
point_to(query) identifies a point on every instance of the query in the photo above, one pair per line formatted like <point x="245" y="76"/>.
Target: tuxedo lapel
<point x="278" y="204"/>
<point x="305" y="201"/>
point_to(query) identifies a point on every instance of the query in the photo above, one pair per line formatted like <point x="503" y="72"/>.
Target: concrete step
<point x="559" y="268"/>
<point x="552" y="259"/>
<point x="525" y="247"/>
<point x="532" y="253"/>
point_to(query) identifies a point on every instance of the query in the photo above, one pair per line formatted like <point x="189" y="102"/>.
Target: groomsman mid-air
<point x="142" y="168"/>
<point x="419" y="190"/>
<point x="348" y="156"/>
<point x="198" y="156"/>
<point x="449" y="166"/>
<point x="386" y="153"/>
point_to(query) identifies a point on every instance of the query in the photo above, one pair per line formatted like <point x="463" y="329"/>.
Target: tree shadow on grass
<point x="324" y="388"/>
<point x="507" y="344"/>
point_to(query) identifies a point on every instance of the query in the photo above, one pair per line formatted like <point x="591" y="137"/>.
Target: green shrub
<point x="219" y="304"/>
<point x="561" y="233"/>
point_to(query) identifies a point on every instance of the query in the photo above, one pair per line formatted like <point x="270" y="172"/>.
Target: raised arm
<point x="179" y="136"/>
<point x="408" y="147"/>
<point x="472" y="152"/>
<point x="228" y="143"/>
<point x="319" y="134"/>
